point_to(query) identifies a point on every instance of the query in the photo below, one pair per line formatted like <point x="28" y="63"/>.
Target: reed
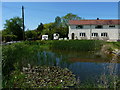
<point x="77" y="45"/>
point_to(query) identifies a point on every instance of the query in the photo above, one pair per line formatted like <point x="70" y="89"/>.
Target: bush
<point x="7" y="38"/>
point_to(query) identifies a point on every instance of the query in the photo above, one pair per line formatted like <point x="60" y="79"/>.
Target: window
<point x="99" y="26"/>
<point x="112" y="26"/>
<point x="79" y="27"/>
<point x="104" y="34"/>
<point x="94" y="34"/>
<point x="82" y="35"/>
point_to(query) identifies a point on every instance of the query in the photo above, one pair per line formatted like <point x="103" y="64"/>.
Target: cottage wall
<point x="113" y="33"/>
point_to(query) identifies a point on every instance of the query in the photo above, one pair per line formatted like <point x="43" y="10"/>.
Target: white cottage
<point x="108" y="30"/>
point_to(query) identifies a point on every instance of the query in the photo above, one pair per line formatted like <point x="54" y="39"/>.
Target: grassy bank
<point x="114" y="44"/>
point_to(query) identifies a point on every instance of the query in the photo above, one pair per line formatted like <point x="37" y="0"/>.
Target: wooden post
<point x="23" y="23"/>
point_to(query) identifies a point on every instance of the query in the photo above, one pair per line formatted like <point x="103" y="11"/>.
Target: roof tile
<point x="94" y="22"/>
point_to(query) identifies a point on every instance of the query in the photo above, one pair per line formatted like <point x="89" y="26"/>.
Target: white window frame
<point x="94" y="35"/>
<point x="104" y="34"/>
<point x="82" y="34"/>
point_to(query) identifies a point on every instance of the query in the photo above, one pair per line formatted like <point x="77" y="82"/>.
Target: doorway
<point x="73" y="35"/>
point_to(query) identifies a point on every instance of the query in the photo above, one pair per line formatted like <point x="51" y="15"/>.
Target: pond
<point x="93" y="68"/>
<point x="87" y="66"/>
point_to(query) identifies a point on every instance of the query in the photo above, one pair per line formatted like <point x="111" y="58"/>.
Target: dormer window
<point x="79" y="27"/>
<point x="98" y="26"/>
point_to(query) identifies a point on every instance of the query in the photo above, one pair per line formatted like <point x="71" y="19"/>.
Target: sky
<point x="45" y="12"/>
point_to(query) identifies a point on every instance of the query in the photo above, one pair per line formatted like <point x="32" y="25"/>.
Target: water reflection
<point x="86" y="66"/>
<point x="110" y="73"/>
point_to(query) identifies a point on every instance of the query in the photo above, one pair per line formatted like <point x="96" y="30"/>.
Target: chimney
<point x="97" y="18"/>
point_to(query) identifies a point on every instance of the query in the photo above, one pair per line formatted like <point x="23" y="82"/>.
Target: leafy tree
<point x="31" y="34"/>
<point x="40" y="27"/>
<point x="49" y="30"/>
<point x="69" y="16"/>
<point x="63" y="31"/>
<point x="49" y="26"/>
<point x="57" y="22"/>
<point x="13" y="26"/>
<point x="60" y="25"/>
<point x="7" y="38"/>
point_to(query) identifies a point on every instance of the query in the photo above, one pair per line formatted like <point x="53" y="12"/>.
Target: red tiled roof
<point x="94" y="22"/>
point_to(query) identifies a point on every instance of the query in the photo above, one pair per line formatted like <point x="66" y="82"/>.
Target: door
<point x="73" y="35"/>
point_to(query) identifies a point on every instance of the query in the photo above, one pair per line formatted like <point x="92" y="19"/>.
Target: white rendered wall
<point x="113" y="33"/>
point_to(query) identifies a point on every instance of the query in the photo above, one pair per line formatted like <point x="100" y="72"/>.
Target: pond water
<point x="87" y="66"/>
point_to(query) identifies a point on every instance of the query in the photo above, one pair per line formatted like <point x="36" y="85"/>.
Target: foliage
<point x="40" y="27"/>
<point x="17" y="79"/>
<point x="41" y="77"/>
<point x="49" y="77"/>
<point x="38" y="42"/>
<point x="16" y="56"/>
<point x="8" y="38"/>
<point x="57" y="22"/>
<point x="48" y="30"/>
<point x="114" y="44"/>
<point x="30" y="34"/>
<point x="13" y="26"/>
<point x="77" y="45"/>
<point x="16" y="53"/>
<point x="59" y="26"/>
<point x="21" y="54"/>
<point x="69" y="16"/>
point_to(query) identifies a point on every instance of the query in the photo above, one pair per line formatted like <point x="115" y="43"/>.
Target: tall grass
<point x="77" y="45"/>
<point x="19" y="55"/>
<point x="114" y="44"/>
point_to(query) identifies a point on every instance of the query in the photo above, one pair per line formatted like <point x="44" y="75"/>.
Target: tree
<point x="13" y="26"/>
<point x="69" y="16"/>
<point x="57" y="22"/>
<point x="60" y="26"/>
<point x="40" y="27"/>
<point x="31" y="34"/>
<point x="49" y="30"/>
